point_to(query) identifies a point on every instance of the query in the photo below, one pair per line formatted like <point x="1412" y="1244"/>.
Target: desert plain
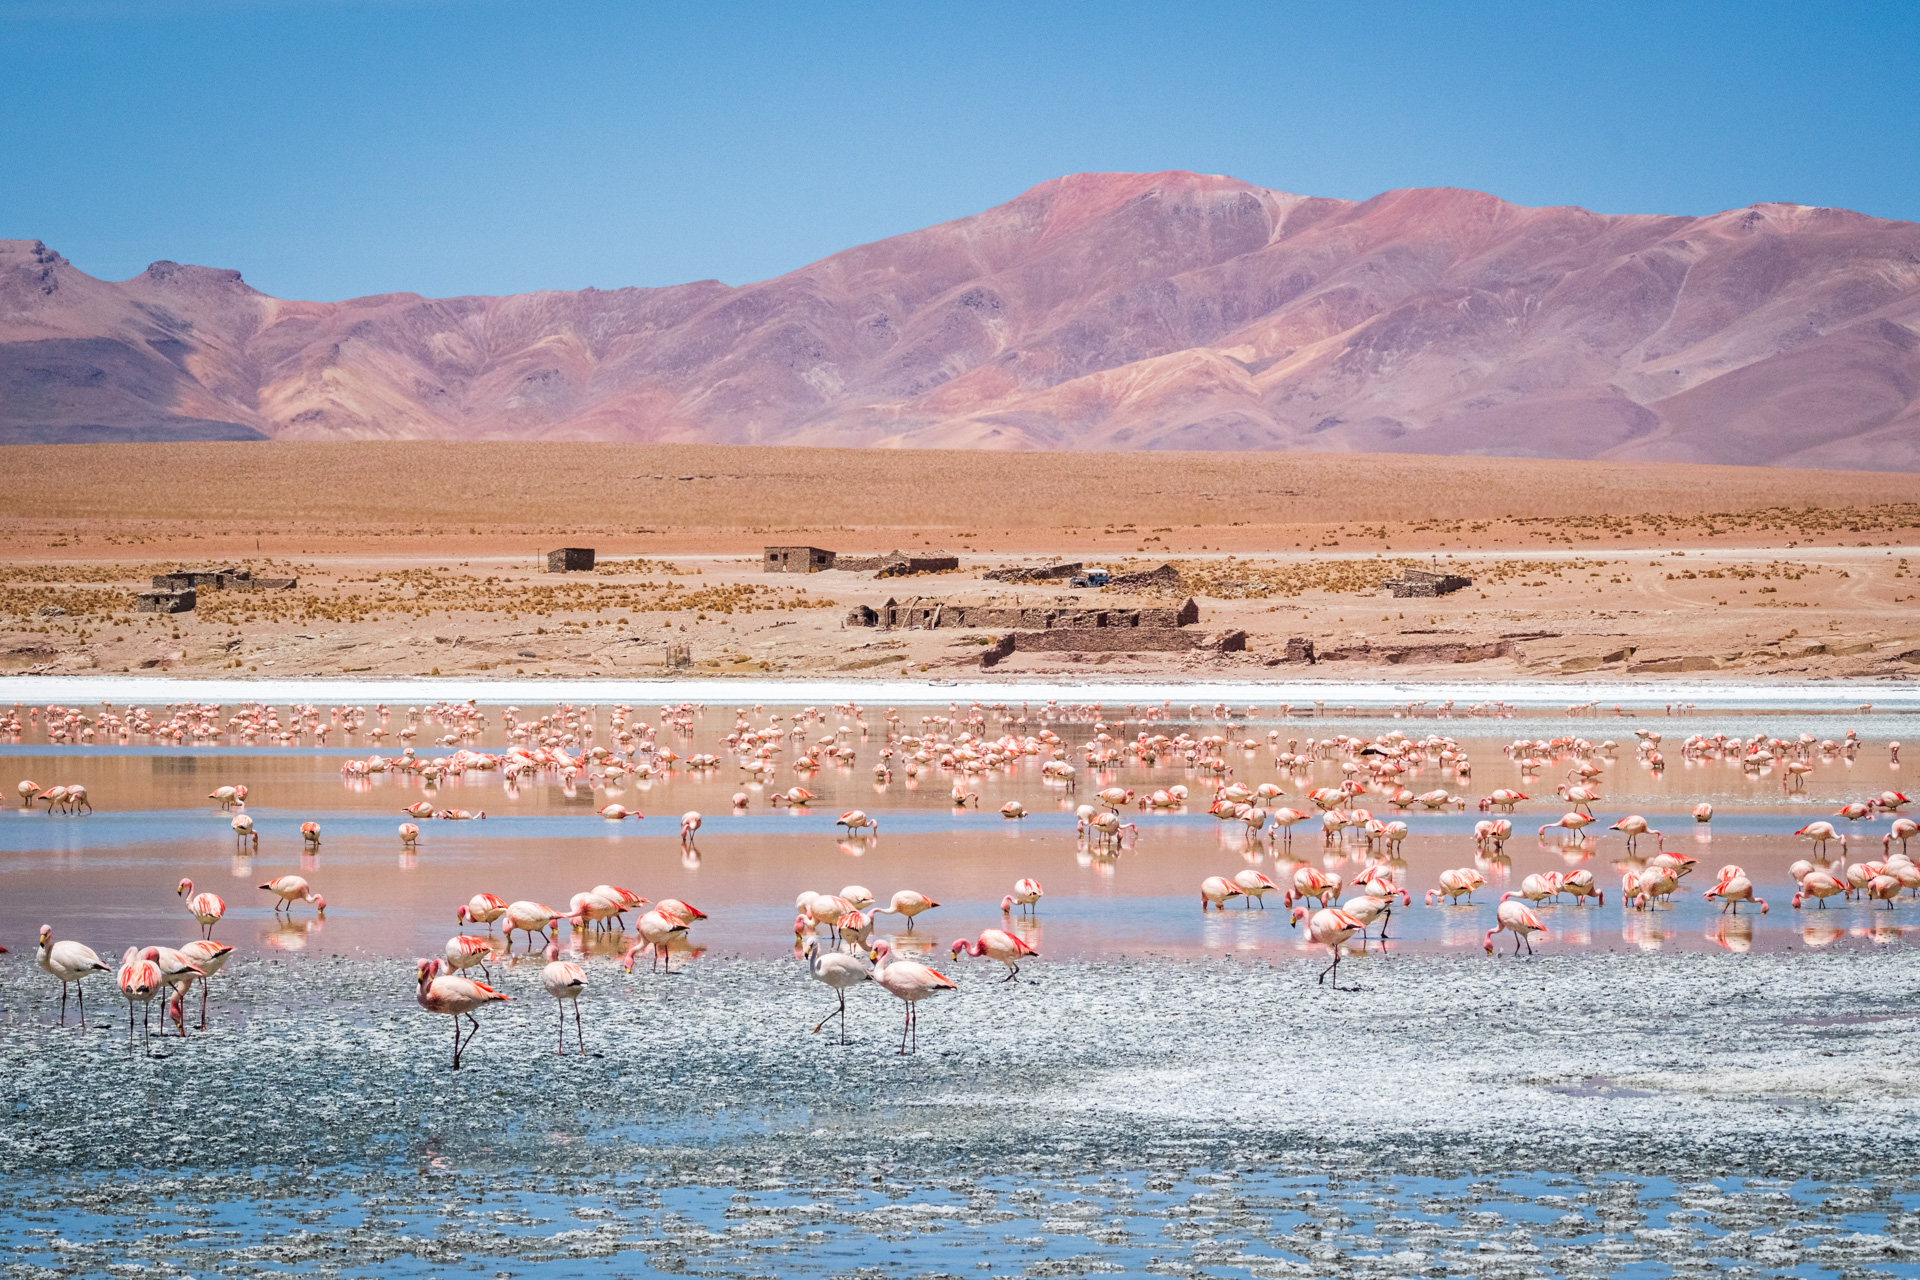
<point x="429" y="558"/>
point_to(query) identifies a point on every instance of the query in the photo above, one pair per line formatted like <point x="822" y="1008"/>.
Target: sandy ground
<point x="424" y="559"/>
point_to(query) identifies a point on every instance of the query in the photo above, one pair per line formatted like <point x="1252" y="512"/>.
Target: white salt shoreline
<point x="1892" y="697"/>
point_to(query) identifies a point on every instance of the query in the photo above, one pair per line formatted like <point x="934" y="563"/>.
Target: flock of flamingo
<point x="833" y="932"/>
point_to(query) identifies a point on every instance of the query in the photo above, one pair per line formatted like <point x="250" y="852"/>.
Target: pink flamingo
<point x="564" y="981"/>
<point x="455" y="996"/>
<point x="409" y="835"/>
<point x="178" y="971"/>
<point x="856" y="820"/>
<point x="139" y="981"/>
<point x="310" y="834"/>
<point x="530" y="918"/>
<point x="292" y="889"/>
<point x="909" y="981"/>
<point x="1455" y="884"/>
<point x="907" y="903"/>
<point x="689" y="823"/>
<point x="1819" y="885"/>
<point x="658" y="931"/>
<point x="1026" y="893"/>
<point x="1633" y="826"/>
<point x="207" y="908"/>
<point x="1328" y="927"/>
<point x="1254" y="887"/>
<point x="464" y="951"/>
<point x="1514" y="917"/>
<point x="1215" y="891"/>
<point x="1732" y="889"/>
<point x="212" y="957"/>
<point x="69" y="962"/>
<point x="482" y="908"/>
<point x="996" y="944"/>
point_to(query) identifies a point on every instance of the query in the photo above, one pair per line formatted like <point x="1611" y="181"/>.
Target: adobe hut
<point x="1036" y="612"/>
<point x="795" y="559"/>
<point x="165" y="601"/>
<point x="570" y="560"/>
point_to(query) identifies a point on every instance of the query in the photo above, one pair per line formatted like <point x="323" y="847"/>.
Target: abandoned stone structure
<point x="1043" y="573"/>
<point x="1421" y="582"/>
<point x="795" y="559"/>
<point x="1146" y="580"/>
<point x="1037" y="612"/>
<point x="570" y="560"/>
<point x="177" y="592"/>
<point x="1112" y="640"/>
<point x="181" y="601"/>
<point x="819" y="559"/>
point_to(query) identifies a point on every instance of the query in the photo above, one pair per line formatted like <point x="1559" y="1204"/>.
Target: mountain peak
<point x="1091" y="311"/>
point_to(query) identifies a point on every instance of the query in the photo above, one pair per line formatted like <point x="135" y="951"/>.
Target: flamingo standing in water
<point x="409" y="835"/>
<point x="211" y="957"/>
<point x="243" y="830"/>
<point x="207" y="908"/>
<point x="455" y="996"/>
<point x="840" y="971"/>
<point x="463" y="951"/>
<point x="1818" y="885"/>
<point x="28" y="790"/>
<point x="996" y="944"/>
<point x="658" y="931"/>
<point x="911" y="982"/>
<point x="1633" y="826"/>
<point x="1733" y="889"/>
<point x="1026" y="893"/>
<point x="907" y="903"/>
<point x="1820" y="833"/>
<point x="1215" y="890"/>
<point x="1254" y="887"/>
<point x="139" y="981"/>
<point x="482" y="908"/>
<point x="310" y="835"/>
<point x="858" y="820"/>
<point x="178" y="971"/>
<point x="564" y="981"/>
<point x="530" y="918"/>
<point x="69" y="962"/>
<point x="1328" y="927"/>
<point x="1457" y="883"/>
<point x="1514" y="916"/>
<point x="1572" y="822"/>
<point x="619" y="811"/>
<point x="292" y="889"/>
<point x="689" y="823"/>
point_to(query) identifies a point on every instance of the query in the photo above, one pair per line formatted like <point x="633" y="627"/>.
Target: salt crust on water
<point x="319" y="1122"/>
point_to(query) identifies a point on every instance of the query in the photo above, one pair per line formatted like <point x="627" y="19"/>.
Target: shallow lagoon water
<point x="1165" y="1094"/>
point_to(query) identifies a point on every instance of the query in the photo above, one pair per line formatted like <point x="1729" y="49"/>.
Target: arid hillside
<point x="1094" y="312"/>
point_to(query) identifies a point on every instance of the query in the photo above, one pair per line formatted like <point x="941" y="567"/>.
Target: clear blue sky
<point x="329" y="149"/>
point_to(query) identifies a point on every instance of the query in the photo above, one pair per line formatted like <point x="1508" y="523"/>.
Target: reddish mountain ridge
<point x="1096" y="311"/>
